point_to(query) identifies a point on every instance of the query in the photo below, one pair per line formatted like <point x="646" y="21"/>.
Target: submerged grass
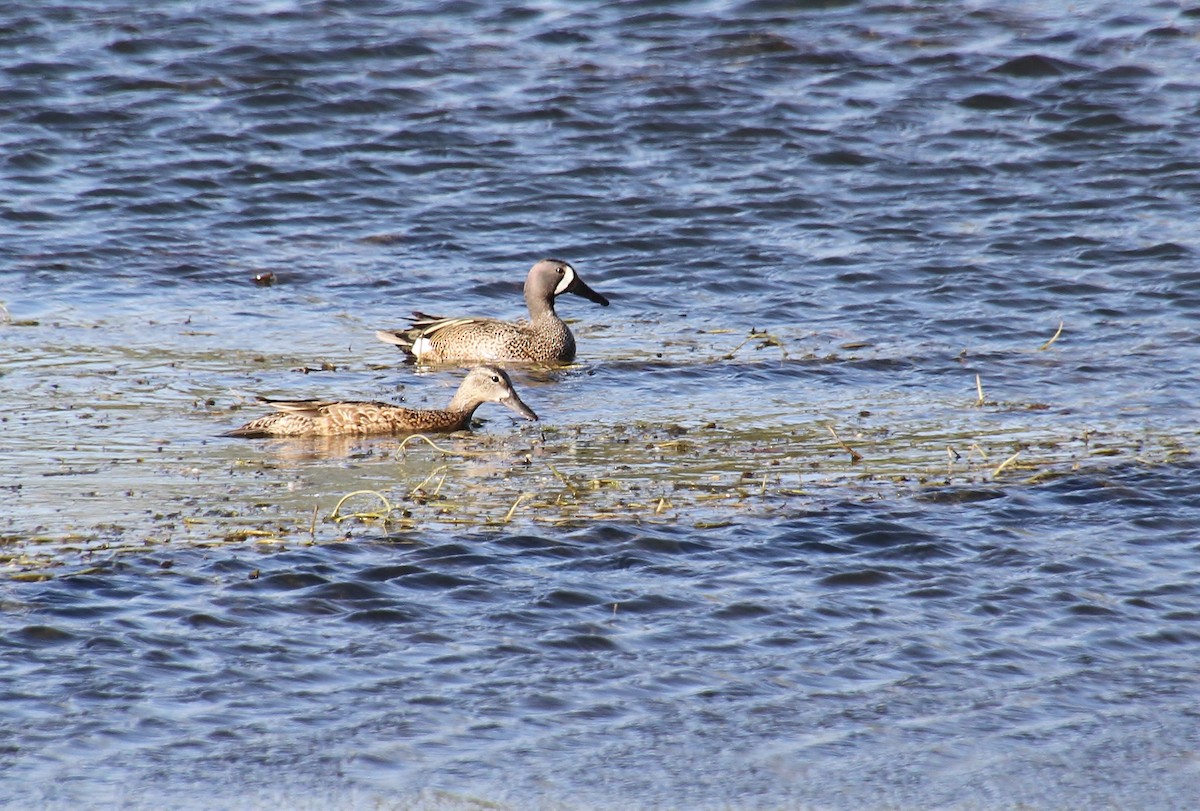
<point x="706" y="477"/>
<point x="126" y="493"/>
<point x="711" y="476"/>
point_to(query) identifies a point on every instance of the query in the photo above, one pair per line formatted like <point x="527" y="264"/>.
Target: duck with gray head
<point x="301" y="418"/>
<point x="544" y="338"/>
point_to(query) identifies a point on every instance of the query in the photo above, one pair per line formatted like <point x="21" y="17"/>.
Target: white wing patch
<point x="567" y="280"/>
<point x="421" y="347"/>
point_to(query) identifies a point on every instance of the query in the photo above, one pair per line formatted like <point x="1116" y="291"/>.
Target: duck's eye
<point x="561" y="271"/>
<point x="495" y="378"/>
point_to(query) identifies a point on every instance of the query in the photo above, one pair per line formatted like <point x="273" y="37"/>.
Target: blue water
<point x="679" y="589"/>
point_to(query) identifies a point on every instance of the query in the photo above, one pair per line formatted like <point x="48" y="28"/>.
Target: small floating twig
<point x="436" y="471"/>
<point x="566" y="482"/>
<point x="767" y="340"/>
<point x="1005" y="464"/>
<point x="855" y="456"/>
<point x="1046" y="345"/>
<point x="979" y="390"/>
<point x="952" y="456"/>
<point x="243" y="534"/>
<point x="729" y="355"/>
<point x="508" y="516"/>
<point x="438" y="489"/>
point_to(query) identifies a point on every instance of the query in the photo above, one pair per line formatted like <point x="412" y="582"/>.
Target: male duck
<point x="544" y="338"/>
<point x="484" y="384"/>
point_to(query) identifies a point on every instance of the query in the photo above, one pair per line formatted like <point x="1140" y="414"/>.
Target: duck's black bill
<point x="579" y="288"/>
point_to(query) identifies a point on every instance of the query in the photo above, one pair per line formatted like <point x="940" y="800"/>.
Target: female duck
<point x="483" y="384"/>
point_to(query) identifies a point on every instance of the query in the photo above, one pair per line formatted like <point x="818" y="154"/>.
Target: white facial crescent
<point x="567" y="280"/>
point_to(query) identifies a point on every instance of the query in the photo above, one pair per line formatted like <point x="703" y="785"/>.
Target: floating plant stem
<point x="511" y="510"/>
<point x="338" y="517"/>
<point x="765" y="337"/>
<point x="1046" y="345"/>
<point x="243" y="534"/>
<point x="855" y="456"/>
<point x="436" y="471"/>
<point x="1005" y="464"/>
<point x="440" y="449"/>
<point x="979" y="402"/>
<point x="566" y="482"/>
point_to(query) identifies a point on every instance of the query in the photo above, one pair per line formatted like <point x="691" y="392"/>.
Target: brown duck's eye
<point x="495" y="378"/>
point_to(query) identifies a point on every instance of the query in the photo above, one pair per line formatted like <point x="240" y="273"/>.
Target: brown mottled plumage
<point x="544" y="338"/>
<point x="483" y="384"/>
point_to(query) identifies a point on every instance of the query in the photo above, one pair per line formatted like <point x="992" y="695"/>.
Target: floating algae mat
<point x="714" y="429"/>
<point x="707" y="476"/>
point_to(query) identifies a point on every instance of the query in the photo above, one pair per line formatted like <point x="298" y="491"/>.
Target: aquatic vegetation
<point x="700" y="459"/>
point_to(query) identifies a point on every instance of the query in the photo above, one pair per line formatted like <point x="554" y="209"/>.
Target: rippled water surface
<point x="875" y="487"/>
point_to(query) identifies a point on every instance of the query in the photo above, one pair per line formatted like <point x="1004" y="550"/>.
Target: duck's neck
<point x="539" y="307"/>
<point x="464" y="403"/>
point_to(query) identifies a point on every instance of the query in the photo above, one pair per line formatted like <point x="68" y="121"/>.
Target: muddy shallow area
<point x="697" y="441"/>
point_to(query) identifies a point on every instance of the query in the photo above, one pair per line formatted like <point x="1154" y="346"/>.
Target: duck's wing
<point x="437" y="338"/>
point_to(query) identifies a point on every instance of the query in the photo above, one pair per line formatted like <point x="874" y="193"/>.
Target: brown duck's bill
<point x="514" y="402"/>
<point x="579" y="288"/>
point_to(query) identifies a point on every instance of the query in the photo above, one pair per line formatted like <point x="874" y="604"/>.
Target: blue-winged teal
<point x="483" y="384"/>
<point x="544" y="338"/>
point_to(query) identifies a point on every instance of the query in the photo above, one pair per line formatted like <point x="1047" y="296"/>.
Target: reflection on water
<point x="821" y="518"/>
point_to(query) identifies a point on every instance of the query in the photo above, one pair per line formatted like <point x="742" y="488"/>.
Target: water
<point x="680" y="589"/>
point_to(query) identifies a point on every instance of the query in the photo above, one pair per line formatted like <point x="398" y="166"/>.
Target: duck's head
<point x="550" y="278"/>
<point x="489" y="384"/>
